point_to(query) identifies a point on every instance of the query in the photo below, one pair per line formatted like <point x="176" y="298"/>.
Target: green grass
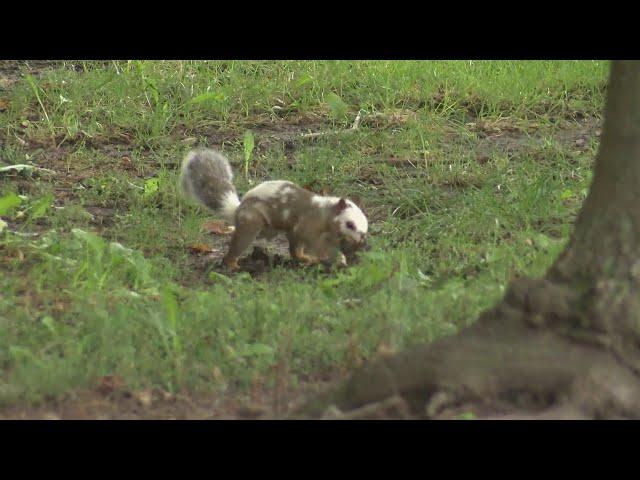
<point x="96" y="274"/>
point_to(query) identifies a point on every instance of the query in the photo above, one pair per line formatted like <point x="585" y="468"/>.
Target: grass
<point x="471" y="173"/>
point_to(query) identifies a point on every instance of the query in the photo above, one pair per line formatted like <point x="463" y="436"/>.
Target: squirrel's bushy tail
<point x="207" y="178"/>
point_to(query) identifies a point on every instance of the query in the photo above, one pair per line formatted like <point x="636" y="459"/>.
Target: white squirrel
<point x="319" y="228"/>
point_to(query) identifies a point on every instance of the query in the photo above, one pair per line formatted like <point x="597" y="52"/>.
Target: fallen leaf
<point x="217" y="374"/>
<point x="144" y="397"/>
<point x="200" y="248"/>
<point x="385" y="350"/>
<point x="251" y="410"/>
<point x="217" y="227"/>
<point x="109" y="383"/>
<point x="4" y="104"/>
<point x="50" y="416"/>
<point x="166" y="396"/>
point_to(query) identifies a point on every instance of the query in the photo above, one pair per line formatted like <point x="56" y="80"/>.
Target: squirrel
<point x="320" y="229"/>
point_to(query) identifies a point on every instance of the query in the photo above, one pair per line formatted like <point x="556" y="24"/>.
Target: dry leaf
<point x="385" y="350"/>
<point x="144" y="397"/>
<point x="217" y="374"/>
<point x="109" y="383"/>
<point x="4" y="104"/>
<point x="127" y="163"/>
<point x="217" y="227"/>
<point x="200" y="248"/>
<point x="50" y="416"/>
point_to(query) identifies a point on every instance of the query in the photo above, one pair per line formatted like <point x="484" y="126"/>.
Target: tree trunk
<point x="564" y="346"/>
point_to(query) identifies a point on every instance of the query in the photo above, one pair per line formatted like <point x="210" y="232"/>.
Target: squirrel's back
<point x="207" y="178"/>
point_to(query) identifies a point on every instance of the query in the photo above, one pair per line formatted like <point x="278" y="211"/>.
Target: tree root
<point x="501" y="367"/>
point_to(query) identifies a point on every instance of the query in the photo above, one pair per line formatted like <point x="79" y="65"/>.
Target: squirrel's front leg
<point x="325" y="249"/>
<point x="300" y="254"/>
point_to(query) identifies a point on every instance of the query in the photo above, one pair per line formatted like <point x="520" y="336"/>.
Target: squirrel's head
<point x="352" y="223"/>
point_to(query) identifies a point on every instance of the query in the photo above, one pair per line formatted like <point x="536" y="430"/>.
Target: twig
<point x="354" y="126"/>
<point x="356" y="122"/>
<point x="20" y="167"/>
<point x="333" y="413"/>
<point x="135" y="186"/>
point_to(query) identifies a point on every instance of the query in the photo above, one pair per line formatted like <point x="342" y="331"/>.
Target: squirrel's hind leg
<point x="248" y="226"/>
<point x="297" y="250"/>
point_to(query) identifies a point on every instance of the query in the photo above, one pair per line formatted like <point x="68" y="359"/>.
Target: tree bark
<point x="564" y="346"/>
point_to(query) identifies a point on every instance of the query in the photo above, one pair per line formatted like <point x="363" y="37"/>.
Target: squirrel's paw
<point x="304" y="257"/>
<point x="231" y="263"/>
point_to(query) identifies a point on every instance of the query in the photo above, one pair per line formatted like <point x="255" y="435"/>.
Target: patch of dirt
<point x="111" y="399"/>
<point x="12" y="70"/>
<point x="265" y="256"/>
<point x="496" y="137"/>
<point x="504" y="138"/>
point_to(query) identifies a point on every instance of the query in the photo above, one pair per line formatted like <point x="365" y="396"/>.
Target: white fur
<point x="194" y="153"/>
<point x="230" y="203"/>
<point x="350" y="214"/>
<point x="267" y="190"/>
<point x="321" y="201"/>
<point x="355" y="215"/>
<point x="186" y="179"/>
<point x="230" y="200"/>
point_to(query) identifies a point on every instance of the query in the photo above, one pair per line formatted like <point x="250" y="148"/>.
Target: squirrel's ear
<point x="341" y="205"/>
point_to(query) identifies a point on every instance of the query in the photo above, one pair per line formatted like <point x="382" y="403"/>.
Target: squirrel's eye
<point x="350" y="226"/>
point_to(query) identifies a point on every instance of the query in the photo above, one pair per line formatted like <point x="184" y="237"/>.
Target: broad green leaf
<point x="337" y="106"/>
<point x="151" y="186"/>
<point x="171" y="305"/>
<point x="304" y="79"/>
<point x="467" y="416"/>
<point x="568" y="193"/>
<point x="49" y="322"/>
<point x="91" y="239"/>
<point x="19" y="353"/>
<point x="41" y="206"/>
<point x="207" y="97"/>
<point x="9" y="202"/>
<point x="542" y="240"/>
<point x="248" y="145"/>
<point x="220" y="278"/>
<point x="256" y="349"/>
